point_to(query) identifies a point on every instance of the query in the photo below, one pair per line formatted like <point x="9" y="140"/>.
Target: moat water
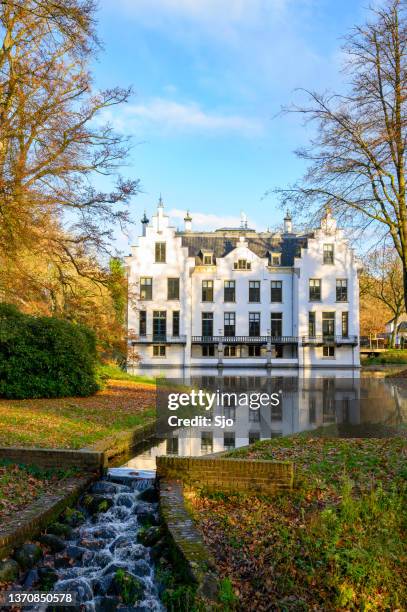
<point x="344" y="403"/>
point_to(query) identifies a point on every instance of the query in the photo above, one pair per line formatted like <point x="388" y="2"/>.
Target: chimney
<point x="188" y="222"/>
<point x="288" y="223"/>
<point x="144" y="223"/>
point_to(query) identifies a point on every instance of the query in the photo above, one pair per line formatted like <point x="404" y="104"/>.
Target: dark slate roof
<point x="402" y="327"/>
<point x="222" y="242"/>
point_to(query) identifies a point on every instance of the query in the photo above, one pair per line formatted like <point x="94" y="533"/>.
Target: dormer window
<point x="275" y="259"/>
<point x="242" y="264"/>
<point x="208" y="259"/>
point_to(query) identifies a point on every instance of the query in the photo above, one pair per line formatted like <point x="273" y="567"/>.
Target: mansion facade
<point x="238" y="297"/>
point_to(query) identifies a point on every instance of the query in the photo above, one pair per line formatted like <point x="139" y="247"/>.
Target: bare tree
<point x="358" y="156"/>
<point x="382" y="280"/>
<point x="53" y="139"/>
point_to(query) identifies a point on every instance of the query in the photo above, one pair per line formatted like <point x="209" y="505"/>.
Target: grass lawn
<point x="80" y="421"/>
<point x="21" y="485"/>
<point x="392" y="356"/>
<point x="115" y="373"/>
<point x="337" y="542"/>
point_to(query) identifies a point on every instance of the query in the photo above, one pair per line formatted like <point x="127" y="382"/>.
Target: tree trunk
<point x="393" y="333"/>
<point x="404" y="262"/>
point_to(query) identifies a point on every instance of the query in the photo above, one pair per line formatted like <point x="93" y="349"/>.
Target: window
<point x="146" y="288"/>
<point x="229" y="323"/>
<point x="345" y="324"/>
<point x="172" y="446"/>
<point x="276" y="291"/>
<point x="254" y="291"/>
<point x="229" y="291"/>
<point x="208" y="259"/>
<point x="328" y="324"/>
<point x="254" y="324"/>
<point x="206" y="442"/>
<point x="328" y="351"/>
<point x="242" y="264"/>
<point x="159" y="324"/>
<point x="173" y="288"/>
<point x="207" y="324"/>
<point x="208" y="350"/>
<point x="160" y="252"/>
<point x="229" y="351"/>
<point x="277" y="413"/>
<point x="207" y="291"/>
<point x="276" y="324"/>
<point x="229" y="440"/>
<point x="254" y="350"/>
<point x="275" y="259"/>
<point x="254" y="436"/>
<point x="143" y="323"/>
<point x="314" y="289"/>
<point x="175" y="323"/>
<point x="328" y="253"/>
<point x="341" y="290"/>
<point x="229" y="412"/>
<point x="311" y="325"/>
<point x="254" y="415"/>
<point x="159" y="350"/>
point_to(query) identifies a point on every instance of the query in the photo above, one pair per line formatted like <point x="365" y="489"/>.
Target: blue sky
<point x="209" y="78"/>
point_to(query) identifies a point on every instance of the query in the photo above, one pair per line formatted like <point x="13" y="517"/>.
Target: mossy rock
<point x="130" y="588"/>
<point x="73" y="517"/>
<point x="149" y="536"/>
<point x="60" y="529"/>
<point x="149" y="495"/>
<point x="9" y="570"/>
<point x="28" y="555"/>
<point x="52" y="542"/>
<point x="48" y="577"/>
<point x="97" y="503"/>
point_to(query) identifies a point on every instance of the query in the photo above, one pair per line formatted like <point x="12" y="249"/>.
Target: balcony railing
<point x="158" y="339"/>
<point x="245" y="339"/>
<point x="329" y="340"/>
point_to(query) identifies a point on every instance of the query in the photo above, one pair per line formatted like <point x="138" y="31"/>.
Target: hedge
<point x="45" y="356"/>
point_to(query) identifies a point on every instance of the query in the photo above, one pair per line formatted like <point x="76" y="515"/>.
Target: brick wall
<point x="228" y="474"/>
<point x="31" y="520"/>
<point x="54" y="458"/>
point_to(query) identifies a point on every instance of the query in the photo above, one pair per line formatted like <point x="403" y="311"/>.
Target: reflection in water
<point x="343" y="403"/>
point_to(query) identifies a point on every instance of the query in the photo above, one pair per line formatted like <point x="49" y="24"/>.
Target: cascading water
<point x="107" y="542"/>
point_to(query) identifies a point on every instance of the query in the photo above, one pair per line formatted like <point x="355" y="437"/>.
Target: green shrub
<point x="45" y="356"/>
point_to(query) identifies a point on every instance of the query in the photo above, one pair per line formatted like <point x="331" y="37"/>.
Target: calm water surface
<point x="343" y="403"/>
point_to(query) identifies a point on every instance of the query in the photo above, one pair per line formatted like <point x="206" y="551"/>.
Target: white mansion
<point x="237" y="297"/>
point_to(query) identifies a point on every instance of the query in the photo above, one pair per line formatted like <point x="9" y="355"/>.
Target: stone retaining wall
<point x="187" y="539"/>
<point x="49" y="458"/>
<point x="228" y="474"/>
<point x="123" y="442"/>
<point x="34" y="518"/>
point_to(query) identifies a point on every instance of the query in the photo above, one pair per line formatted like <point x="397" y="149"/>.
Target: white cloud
<point x="205" y="221"/>
<point x="204" y="12"/>
<point x="169" y="115"/>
